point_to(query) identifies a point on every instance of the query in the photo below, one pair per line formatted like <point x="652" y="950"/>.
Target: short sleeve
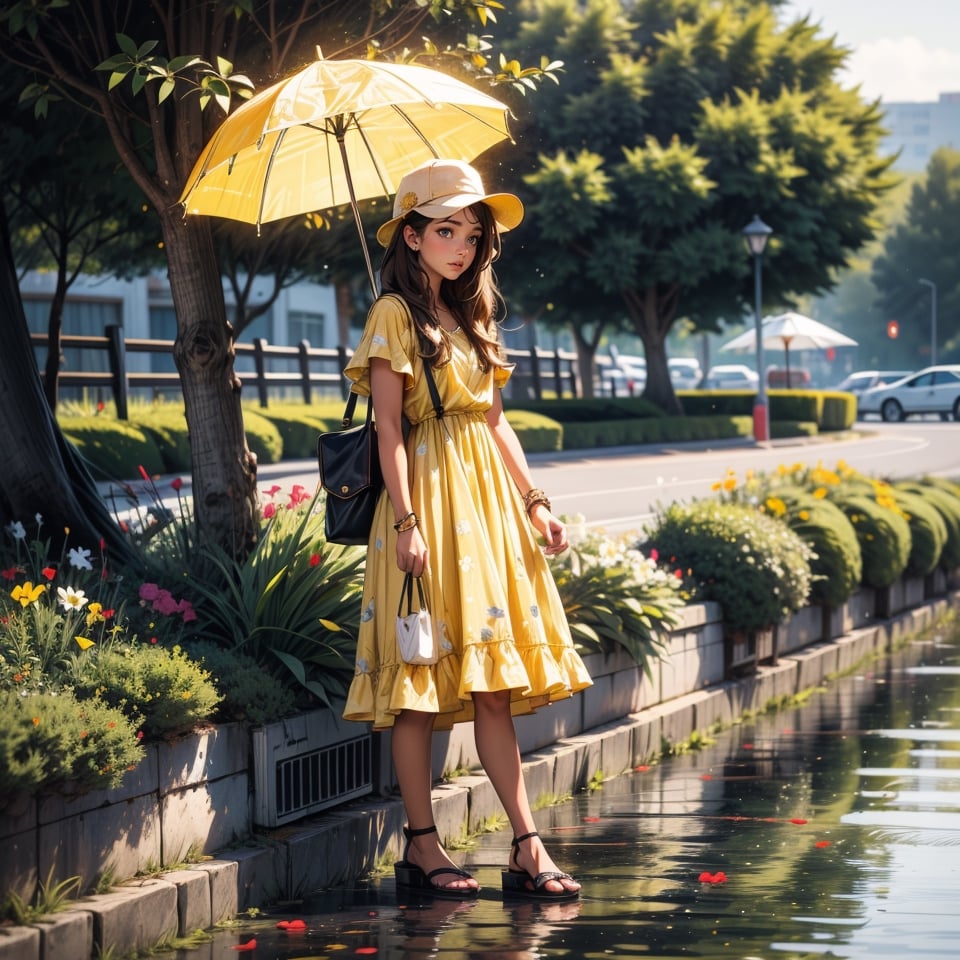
<point x="388" y="335"/>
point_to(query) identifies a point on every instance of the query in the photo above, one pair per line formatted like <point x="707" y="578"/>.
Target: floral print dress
<point x="495" y="608"/>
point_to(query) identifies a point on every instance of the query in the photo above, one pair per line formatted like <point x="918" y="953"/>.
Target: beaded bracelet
<point x="534" y="496"/>
<point x="406" y="523"/>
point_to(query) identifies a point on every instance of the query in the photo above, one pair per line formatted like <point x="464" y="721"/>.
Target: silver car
<point x="931" y="390"/>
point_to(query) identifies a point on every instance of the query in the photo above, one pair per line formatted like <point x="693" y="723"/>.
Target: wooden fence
<point x="302" y="367"/>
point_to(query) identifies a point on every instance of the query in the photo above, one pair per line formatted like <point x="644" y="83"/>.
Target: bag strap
<point x="427" y="369"/>
<point x="349" y="409"/>
<point x="406" y="593"/>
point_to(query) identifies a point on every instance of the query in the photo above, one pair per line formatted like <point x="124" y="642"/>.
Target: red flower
<point x="654" y="554"/>
<point x="9" y="574"/>
<point x="101" y="406"/>
<point x="177" y="483"/>
<point x="49" y="572"/>
<point x="797" y="820"/>
<point x="314" y="559"/>
<point x="822" y="843"/>
<point x="678" y="574"/>
<point x="269" y="510"/>
<point x="298" y="494"/>
<point x="143" y="472"/>
<point x="107" y="614"/>
<point x="153" y="640"/>
<point x="272" y="491"/>
<point x="718" y="877"/>
<point x="139" y="734"/>
<point x="249" y="945"/>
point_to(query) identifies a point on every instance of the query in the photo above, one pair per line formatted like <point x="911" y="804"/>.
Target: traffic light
<point x="893" y="329"/>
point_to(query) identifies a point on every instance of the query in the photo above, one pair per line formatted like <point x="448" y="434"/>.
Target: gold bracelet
<point x="534" y="496"/>
<point x="406" y="523"/>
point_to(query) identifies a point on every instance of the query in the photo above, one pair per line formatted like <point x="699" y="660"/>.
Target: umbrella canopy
<point x="790" y="330"/>
<point x="337" y="132"/>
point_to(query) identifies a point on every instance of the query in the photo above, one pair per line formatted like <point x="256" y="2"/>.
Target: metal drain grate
<point x="306" y="764"/>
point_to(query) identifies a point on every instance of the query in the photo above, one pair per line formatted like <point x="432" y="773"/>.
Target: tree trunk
<point x="224" y="470"/>
<point x="652" y="316"/>
<point x="42" y="473"/>
<point x="345" y="308"/>
<point x="51" y="377"/>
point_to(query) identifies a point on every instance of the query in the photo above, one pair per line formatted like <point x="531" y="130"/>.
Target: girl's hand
<point x="550" y="528"/>
<point x="411" y="552"/>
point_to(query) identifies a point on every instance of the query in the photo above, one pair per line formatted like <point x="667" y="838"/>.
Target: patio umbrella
<point x="336" y="132"/>
<point x="788" y="330"/>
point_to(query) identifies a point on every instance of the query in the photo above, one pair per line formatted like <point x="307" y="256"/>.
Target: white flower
<point x="16" y="530"/>
<point x="80" y="558"/>
<point x="39" y="519"/>
<point x="466" y="564"/>
<point x="462" y="527"/>
<point x="368" y="612"/>
<point x="71" y="599"/>
<point x="379" y="340"/>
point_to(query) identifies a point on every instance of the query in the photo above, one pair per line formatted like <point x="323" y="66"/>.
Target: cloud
<point x="903" y="69"/>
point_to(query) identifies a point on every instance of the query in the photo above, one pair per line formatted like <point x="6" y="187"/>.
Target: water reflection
<point x="827" y="830"/>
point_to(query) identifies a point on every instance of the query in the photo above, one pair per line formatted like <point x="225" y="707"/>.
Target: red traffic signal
<point x="893" y="329"/>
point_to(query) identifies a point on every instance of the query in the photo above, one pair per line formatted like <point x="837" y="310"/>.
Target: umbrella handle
<point x="356" y="216"/>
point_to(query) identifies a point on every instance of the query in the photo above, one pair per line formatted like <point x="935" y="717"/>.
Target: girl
<point x="459" y="510"/>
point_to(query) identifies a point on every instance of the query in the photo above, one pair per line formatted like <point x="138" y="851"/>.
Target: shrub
<point x="167" y="425"/>
<point x="836" y="565"/>
<point x="293" y="604"/>
<point x="614" y="597"/>
<point x="249" y="692"/>
<point x="946" y="501"/>
<point x="883" y="534"/>
<point x="161" y="690"/>
<point x="928" y="532"/>
<point x="537" y="433"/>
<point x="51" y="741"/>
<point x="263" y="437"/>
<point x="108" y="447"/>
<point x="754" y="566"/>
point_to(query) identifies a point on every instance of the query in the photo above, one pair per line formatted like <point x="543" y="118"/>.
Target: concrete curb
<point x="350" y="841"/>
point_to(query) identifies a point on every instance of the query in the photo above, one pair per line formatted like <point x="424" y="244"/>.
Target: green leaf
<point x="166" y="88"/>
<point x="127" y="45"/>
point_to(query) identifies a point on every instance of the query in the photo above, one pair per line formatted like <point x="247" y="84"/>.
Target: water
<point x="836" y="826"/>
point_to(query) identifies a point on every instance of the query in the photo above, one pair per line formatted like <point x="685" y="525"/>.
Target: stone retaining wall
<point x="196" y="791"/>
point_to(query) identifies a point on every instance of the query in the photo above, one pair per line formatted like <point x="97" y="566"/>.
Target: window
<point x="306" y="326"/>
<point x="85" y="318"/>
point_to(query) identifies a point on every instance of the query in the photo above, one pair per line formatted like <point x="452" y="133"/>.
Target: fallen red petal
<point x="822" y="843"/>
<point x="643" y="768"/>
<point x="366" y="950"/>
<point x="748" y="746"/>
<point x="707" y="776"/>
<point x="249" y="945"/>
<point x="705" y="877"/>
<point x="283" y="925"/>
<point x="297" y="925"/>
<point x="591" y="819"/>
<point x="797" y="820"/>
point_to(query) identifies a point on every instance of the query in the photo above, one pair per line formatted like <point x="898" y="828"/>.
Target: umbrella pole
<point x="356" y="217"/>
<point x="786" y="353"/>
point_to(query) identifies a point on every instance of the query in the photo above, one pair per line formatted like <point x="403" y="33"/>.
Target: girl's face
<point x="447" y="247"/>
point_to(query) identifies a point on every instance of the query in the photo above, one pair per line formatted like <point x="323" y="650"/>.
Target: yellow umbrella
<point x="336" y="132"/>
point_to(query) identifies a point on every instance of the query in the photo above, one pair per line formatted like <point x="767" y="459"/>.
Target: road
<point x="619" y="489"/>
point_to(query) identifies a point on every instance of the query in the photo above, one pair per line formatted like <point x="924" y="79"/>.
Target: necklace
<point x="443" y="311"/>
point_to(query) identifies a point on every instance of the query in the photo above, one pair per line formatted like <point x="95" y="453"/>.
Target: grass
<point x="51" y="898"/>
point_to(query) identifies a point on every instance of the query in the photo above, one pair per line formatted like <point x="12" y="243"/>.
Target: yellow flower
<point x="27" y="593"/>
<point x="730" y="484"/>
<point x="804" y="514"/>
<point x="94" y="613"/>
<point x="329" y="625"/>
<point x="84" y="643"/>
<point x="776" y="506"/>
<point x="820" y="492"/>
<point x="715" y="487"/>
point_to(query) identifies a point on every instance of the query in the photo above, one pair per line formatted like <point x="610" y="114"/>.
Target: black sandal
<point x="515" y="881"/>
<point x="412" y="877"/>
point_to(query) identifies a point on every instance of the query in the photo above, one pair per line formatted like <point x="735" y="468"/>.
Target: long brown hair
<point x="473" y="298"/>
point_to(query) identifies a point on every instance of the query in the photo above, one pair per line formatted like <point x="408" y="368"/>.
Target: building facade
<point x="916" y="130"/>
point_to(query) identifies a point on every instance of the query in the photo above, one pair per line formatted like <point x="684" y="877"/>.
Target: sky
<point x="900" y="49"/>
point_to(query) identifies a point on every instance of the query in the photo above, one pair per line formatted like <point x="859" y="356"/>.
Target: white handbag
<point x="414" y="629"/>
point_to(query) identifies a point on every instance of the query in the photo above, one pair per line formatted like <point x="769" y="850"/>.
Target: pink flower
<point x="148" y="591"/>
<point x="272" y="491"/>
<point x="177" y="484"/>
<point x="269" y="510"/>
<point x="185" y="609"/>
<point x="654" y="554"/>
<point x="314" y="559"/>
<point x="165" y="603"/>
<point x="298" y="494"/>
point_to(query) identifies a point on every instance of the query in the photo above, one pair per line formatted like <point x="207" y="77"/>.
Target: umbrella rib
<point x="266" y="177"/>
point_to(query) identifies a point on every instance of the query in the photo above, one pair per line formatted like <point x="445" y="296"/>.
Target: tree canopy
<point x="926" y="245"/>
<point x="676" y="121"/>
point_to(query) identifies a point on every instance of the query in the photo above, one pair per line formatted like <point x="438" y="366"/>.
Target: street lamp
<point x="756" y="234"/>
<point x="933" y="319"/>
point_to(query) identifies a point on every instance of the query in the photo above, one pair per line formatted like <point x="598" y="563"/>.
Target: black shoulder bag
<point x="350" y="472"/>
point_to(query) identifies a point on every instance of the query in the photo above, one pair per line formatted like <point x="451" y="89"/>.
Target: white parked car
<point x="862" y="380"/>
<point x="931" y="390"/>
<point x="730" y="376"/>
<point x="685" y="372"/>
<point x="623" y="376"/>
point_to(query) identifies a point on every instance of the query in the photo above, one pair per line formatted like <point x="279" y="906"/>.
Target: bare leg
<point x="411" y="740"/>
<point x="498" y="751"/>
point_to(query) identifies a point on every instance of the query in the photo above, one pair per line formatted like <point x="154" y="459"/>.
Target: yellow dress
<point x="494" y="605"/>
